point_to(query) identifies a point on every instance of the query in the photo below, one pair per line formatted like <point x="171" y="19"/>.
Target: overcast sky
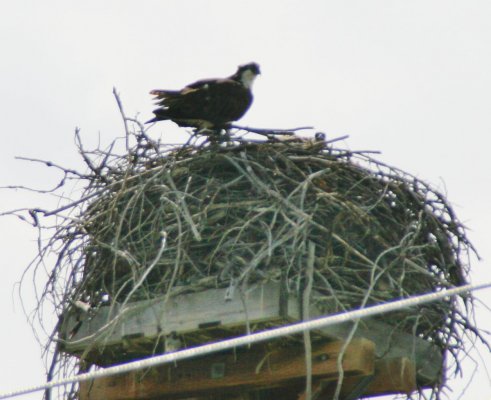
<point x="409" y="78"/>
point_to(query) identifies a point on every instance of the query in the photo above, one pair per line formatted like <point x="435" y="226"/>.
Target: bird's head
<point x="246" y="74"/>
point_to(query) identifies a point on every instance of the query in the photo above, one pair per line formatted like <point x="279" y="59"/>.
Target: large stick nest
<point x="218" y="216"/>
<point x="166" y="220"/>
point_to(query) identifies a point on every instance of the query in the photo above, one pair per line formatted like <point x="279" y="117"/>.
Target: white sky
<point x="409" y="78"/>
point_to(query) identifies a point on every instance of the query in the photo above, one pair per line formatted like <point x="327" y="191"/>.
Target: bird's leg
<point x="226" y="134"/>
<point x="215" y="134"/>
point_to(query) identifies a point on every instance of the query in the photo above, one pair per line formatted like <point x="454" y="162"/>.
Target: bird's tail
<point x="160" y="115"/>
<point x="162" y="97"/>
<point x="150" y="121"/>
<point x="162" y="94"/>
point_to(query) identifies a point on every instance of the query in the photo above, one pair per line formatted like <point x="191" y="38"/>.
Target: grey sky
<point x="409" y="78"/>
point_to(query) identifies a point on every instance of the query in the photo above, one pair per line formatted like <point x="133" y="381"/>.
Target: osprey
<point x="208" y="103"/>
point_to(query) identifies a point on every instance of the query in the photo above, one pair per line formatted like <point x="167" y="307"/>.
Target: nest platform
<point x="162" y="222"/>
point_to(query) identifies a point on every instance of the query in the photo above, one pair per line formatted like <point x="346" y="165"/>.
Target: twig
<point x="52" y="164"/>
<point x="309" y="278"/>
<point x="96" y="170"/>
<point x="125" y="120"/>
<point x="163" y="245"/>
<point x="270" y="132"/>
<point x="336" y="139"/>
<point x="181" y="199"/>
<point x="70" y="205"/>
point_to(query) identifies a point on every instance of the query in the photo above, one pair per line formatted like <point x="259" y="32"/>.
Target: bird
<point x="208" y="103"/>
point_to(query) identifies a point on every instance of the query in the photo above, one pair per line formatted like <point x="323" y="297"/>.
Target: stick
<point x="270" y="132"/>
<point x="120" y="106"/>
<point x="306" y="316"/>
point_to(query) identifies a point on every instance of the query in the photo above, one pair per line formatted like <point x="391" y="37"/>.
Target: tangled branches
<point x="158" y="221"/>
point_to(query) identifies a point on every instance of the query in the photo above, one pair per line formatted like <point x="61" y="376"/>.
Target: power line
<point x="252" y="338"/>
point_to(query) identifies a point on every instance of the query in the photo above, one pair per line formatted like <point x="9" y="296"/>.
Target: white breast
<point x="247" y="78"/>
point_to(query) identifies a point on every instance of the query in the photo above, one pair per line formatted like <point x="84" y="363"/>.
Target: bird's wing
<point x="217" y="100"/>
<point x="164" y="97"/>
<point x="202" y="83"/>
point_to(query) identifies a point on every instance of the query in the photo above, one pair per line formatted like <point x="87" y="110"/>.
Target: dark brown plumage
<point x="208" y="103"/>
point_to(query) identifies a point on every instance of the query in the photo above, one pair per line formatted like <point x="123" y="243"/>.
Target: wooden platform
<point x="244" y="371"/>
<point x="142" y="328"/>
<point x="274" y="373"/>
